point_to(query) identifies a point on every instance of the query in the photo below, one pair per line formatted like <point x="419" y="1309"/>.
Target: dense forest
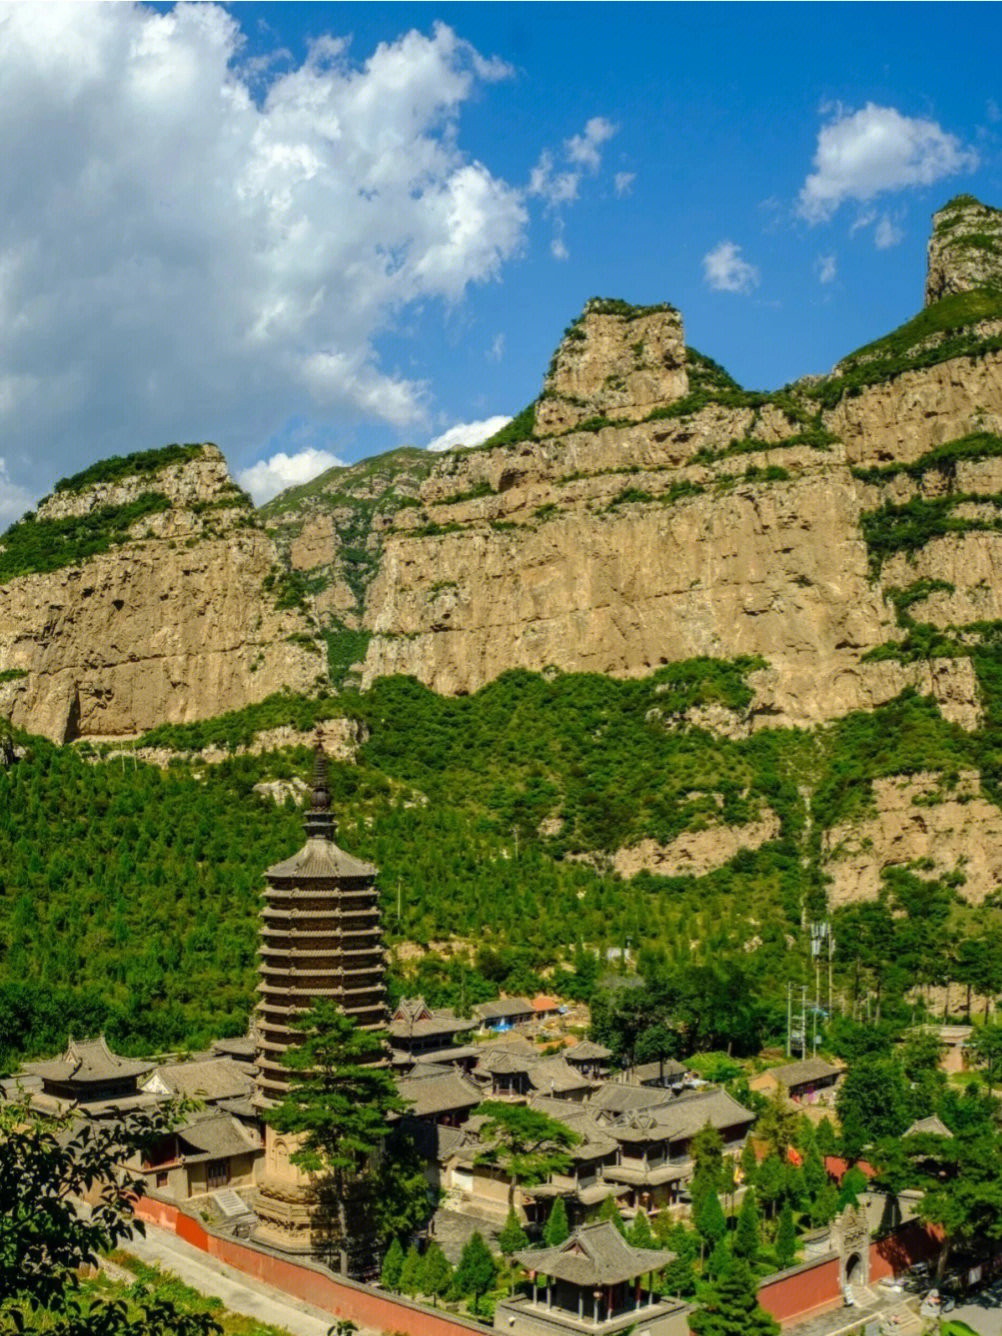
<point x="129" y="894"/>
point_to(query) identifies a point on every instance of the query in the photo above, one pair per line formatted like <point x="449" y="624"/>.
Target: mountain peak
<point x="965" y="249"/>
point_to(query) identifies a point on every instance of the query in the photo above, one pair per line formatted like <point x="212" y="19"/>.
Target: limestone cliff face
<point x="172" y="625"/>
<point x="965" y="249"/>
<point x="617" y="361"/>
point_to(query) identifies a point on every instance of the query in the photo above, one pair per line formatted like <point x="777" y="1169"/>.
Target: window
<point x="161" y="1178"/>
<point x="217" y="1173"/>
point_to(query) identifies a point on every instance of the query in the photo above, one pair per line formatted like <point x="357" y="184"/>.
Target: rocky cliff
<point x="843" y="536"/>
<point x="143" y="592"/>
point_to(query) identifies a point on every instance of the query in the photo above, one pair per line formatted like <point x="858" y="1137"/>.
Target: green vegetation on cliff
<point x="116" y="467"/>
<point x="35" y="546"/>
<point x="129" y="895"/>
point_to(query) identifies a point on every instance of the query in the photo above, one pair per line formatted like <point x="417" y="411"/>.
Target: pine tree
<point x="477" y="1270"/>
<point x="609" y="1210"/>
<point x="749" y="1163"/>
<point x="718" y="1260"/>
<point x="786" y="1238"/>
<point x="825" y="1207"/>
<point x="410" y="1272"/>
<point x="731" y="1307"/>
<point x="748" y="1234"/>
<point x="557" y="1228"/>
<point x="513" y="1237"/>
<point x="827" y="1141"/>
<point x="711" y="1223"/>
<point x="679" y="1278"/>
<point x="393" y="1265"/>
<point x="815" y="1175"/>
<point x="436" y="1273"/>
<point x="640" y="1231"/>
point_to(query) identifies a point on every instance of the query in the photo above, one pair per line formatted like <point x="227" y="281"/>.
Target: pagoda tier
<point x="320" y="938"/>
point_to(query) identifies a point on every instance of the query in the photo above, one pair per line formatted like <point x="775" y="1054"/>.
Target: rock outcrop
<point x="965" y="249"/>
<point x="171" y="625"/>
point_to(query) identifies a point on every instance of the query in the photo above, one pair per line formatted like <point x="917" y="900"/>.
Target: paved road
<point x="239" y="1293"/>
<point x="984" y="1314"/>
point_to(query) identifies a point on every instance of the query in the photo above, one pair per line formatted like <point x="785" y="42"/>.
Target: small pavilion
<point x="592" y="1282"/>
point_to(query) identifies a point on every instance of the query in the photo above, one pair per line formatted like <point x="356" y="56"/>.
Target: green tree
<point x="477" y="1270"/>
<point x="854" y="1182"/>
<point x="513" y="1237"/>
<point x="786" y="1237"/>
<point x="44" y="1166"/>
<point x="340" y="1105"/>
<point x="748" y="1233"/>
<point x="770" y="1183"/>
<point x="824" y="1208"/>
<point x="748" y="1162"/>
<point x="711" y="1221"/>
<point x="410" y="1273"/>
<point x="986" y="1045"/>
<point x="707" y="1151"/>
<point x="525" y="1144"/>
<point x="731" y="1307"/>
<point x="557" y="1227"/>
<point x="777" y="1124"/>
<point x="873" y="1102"/>
<point x="718" y="1260"/>
<point x="609" y="1210"/>
<point x="640" y="1233"/>
<point x="393" y="1265"/>
<point x="435" y="1277"/>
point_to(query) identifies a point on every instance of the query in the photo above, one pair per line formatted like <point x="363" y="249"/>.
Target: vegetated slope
<point x="330" y="535"/>
<point x="145" y="589"/>
<point x="129" y="895"/>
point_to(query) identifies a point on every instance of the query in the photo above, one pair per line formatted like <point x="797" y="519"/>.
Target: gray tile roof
<point x="414" y="1019"/>
<point x="646" y="1072"/>
<point x="682" y="1119"/>
<point x="322" y="859"/>
<point x="802" y="1073"/>
<point x="933" y="1126"/>
<point x="595" y="1255"/>
<point x="243" y="1047"/>
<point x="89" y="1060"/>
<point x="586" y="1051"/>
<point x="503" y="1008"/>
<point x="216" y="1138"/>
<point x="441" y="1091"/>
<point x="619" y="1096"/>
<point x="213" y="1079"/>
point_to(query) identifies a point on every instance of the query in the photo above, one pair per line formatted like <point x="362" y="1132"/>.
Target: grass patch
<point x="12" y="674"/>
<point x="943" y="458"/>
<point x="33" y="546"/>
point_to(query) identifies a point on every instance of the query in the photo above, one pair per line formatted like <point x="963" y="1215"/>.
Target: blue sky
<point x="316" y="232"/>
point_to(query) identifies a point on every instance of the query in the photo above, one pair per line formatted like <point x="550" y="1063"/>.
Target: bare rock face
<point x="965" y="249"/>
<point x="174" y="624"/>
<point x="615" y="361"/>
<point x="918" y="818"/>
<point x="695" y="852"/>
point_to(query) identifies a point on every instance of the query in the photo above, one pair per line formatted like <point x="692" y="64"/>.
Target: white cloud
<point x="864" y="153"/>
<point x="583" y="153"/>
<point x="726" y="271"/>
<point x="622" y="183"/>
<point x="586" y="149"/>
<point x="495" y="352"/>
<point x="558" y="247"/>
<point x="827" y="268"/>
<point x="268" y="477"/>
<point x="466" y="434"/>
<point x="14" y="500"/>
<point x="195" y="249"/>
<point x="887" y="234"/>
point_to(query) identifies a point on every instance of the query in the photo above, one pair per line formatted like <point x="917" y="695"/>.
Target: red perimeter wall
<point x="806" y="1289"/>
<point x="344" y="1299"/>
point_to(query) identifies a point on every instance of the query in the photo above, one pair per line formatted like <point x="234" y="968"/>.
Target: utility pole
<point x="789" y="1020"/>
<point x="803" y="1021"/>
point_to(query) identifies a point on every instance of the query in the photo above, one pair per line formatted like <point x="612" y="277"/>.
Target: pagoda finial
<point x="319" y="821"/>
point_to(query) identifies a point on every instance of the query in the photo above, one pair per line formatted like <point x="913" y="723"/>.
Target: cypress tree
<point x="477" y="1269"/>
<point x="718" y="1260"/>
<point x="513" y="1236"/>
<point x="557" y="1228"/>
<point x="640" y="1234"/>
<point x="712" y="1223"/>
<point x="749" y="1163"/>
<point x="786" y="1238"/>
<point x="747" y="1235"/>
<point x="436" y="1273"/>
<point x="731" y="1308"/>
<point x="393" y="1265"/>
<point x="609" y="1210"/>
<point x="410" y="1274"/>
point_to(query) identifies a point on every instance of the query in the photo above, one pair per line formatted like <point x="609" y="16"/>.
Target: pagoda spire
<point x="319" y="822"/>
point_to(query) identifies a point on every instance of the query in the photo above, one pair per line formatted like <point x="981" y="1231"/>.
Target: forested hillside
<point x="129" y="894"/>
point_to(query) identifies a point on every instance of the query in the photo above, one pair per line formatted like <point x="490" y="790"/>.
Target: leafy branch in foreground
<point x="46" y="1169"/>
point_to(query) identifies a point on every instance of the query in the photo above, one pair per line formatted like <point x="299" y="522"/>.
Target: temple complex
<point x="320" y="938"/>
